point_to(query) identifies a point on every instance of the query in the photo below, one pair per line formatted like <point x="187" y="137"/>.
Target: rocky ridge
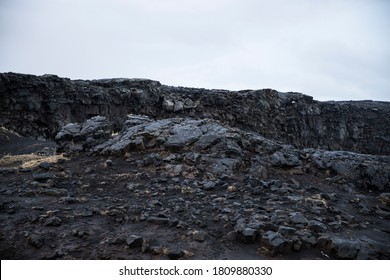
<point x="38" y="106"/>
<point x="179" y="182"/>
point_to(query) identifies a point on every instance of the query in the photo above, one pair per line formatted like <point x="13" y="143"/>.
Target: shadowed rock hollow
<point x="152" y="171"/>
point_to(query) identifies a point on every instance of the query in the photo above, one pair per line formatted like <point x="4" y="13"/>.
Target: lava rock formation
<point x="140" y="170"/>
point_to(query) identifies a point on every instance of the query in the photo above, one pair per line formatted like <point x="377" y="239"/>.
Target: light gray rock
<point x="96" y="125"/>
<point x="188" y="103"/>
<point x="179" y="106"/>
<point x="280" y="159"/>
<point x="224" y="166"/>
<point x="52" y="221"/>
<point x="298" y="218"/>
<point x="168" y="105"/>
<point x="184" y="134"/>
<point x="133" y="120"/>
<point x="68" y="132"/>
<point x="208" y="185"/>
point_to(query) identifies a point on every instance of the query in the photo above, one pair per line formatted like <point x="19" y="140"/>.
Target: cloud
<point x="328" y="49"/>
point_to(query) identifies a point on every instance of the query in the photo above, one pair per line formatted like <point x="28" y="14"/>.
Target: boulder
<point x="82" y="137"/>
<point x="275" y="243"/>
<point x="339" y="247"/>
<point x="280" y="159"/>
<point x="298" y="218"/>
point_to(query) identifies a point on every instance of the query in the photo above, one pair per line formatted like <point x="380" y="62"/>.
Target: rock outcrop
<point x="39" y="106"/>
<point x="222" y="149"/>
<point x="146" y="171"/>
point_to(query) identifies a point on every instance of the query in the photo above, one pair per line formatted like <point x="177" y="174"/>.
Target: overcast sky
<point x="332" y="50"/>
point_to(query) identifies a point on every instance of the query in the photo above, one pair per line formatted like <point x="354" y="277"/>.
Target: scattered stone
<point x="68" y="200"/>
<point x="43" y="177"/>
<point x="134" y="241"/>
<point x="158" y="221"/>
<point x="298" y="218"/>
<point x="61" y="160"/>
<point x="307" y="239"/>
<point x="133" y="120"/>
<point x="247" y="235"/>
<point x="188" y="103"/>
<point x="52" y="221"/>
<point x="153" y="159"/>
<point x="155" y="203"/>
<point x="208" y="185"/>
<point x="284" y="160"/>
<point x="275" y="243"/>
<point x="383" y="213"/>
<point x="35" y="240"/>
<point x="81" y="233"/>
<point x="232" y="235"/>
<point x="339" y="247"/>
<point x="175" y="253"/>
<point x="384" y="198"/>
<point x="108" y="162"/>
<point x="44" y="165"/>
<point x="152" y="246"/>
<point x="286" y="231"/>
<point x="23" y="170"/>
<point x="317" y="226"/>
<point x="199" y="235"/>
<point x="178" y="106"/>
<point x="89" y="170"/>
<point x="168" y="105"/>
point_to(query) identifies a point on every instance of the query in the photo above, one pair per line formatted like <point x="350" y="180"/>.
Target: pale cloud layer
<point x="332" y="50"/>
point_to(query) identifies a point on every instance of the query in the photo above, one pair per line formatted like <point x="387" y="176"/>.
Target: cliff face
<point x="39" y="106"/>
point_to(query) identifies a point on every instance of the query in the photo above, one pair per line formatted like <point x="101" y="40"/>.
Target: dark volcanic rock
<point x="75" y="137"/>
<point x="49" y="102"/>
<point x="35" y="240"/>
<point x="52" y="221"/>
<point x="146" y="171"/>
<point x="134" y="241"/>
<point x="43" y="177"/>
<point x="341" y="248"/>
<point x="275" y="243"/>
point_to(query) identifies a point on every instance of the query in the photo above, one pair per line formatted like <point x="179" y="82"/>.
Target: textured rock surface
<point x="223" y="150"/>
<point x="40" y="105"/>
<point x="188" y="176"/>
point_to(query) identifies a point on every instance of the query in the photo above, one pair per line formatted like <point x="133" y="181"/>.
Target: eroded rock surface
<point x="40" y="106"/>
<point x="190" y="175"/>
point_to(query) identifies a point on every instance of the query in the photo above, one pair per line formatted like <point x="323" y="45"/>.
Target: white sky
<point x="332" y="50"/>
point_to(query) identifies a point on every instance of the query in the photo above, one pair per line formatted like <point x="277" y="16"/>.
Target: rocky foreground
<point x="185" y="180"/>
